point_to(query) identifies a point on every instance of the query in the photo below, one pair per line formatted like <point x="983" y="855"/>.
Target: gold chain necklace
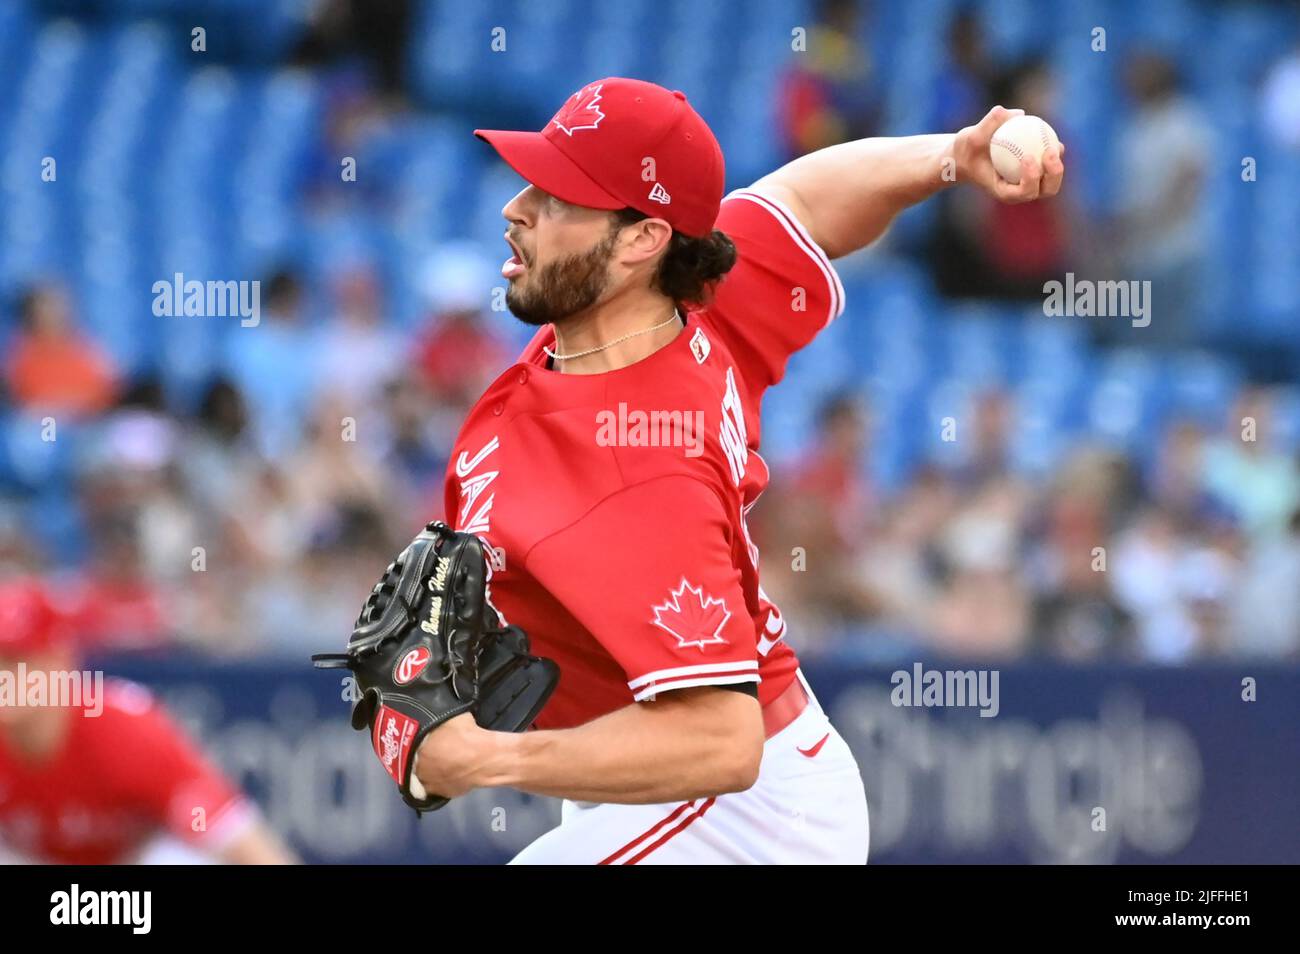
<point x="583" y="354"/>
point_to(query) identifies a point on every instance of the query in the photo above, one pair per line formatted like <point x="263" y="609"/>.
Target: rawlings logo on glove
<point x="393" y="745"/>
<point x="411" y="665"/>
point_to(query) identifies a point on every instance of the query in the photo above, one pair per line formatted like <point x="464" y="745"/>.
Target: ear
<point x="644" y="240"/>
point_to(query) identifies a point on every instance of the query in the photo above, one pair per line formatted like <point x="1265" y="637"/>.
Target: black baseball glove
<point x="429" y="646"/>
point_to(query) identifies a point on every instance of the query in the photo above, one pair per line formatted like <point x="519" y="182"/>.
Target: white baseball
<point x="1020" y="136"/>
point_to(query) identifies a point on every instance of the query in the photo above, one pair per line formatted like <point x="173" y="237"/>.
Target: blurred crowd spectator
<point x="978" y="246"/>
<point x="52" y="366"/>
<point x="1161" y="233"/>
<point x="1280" y="101"/>
<point x="827" y="93"/>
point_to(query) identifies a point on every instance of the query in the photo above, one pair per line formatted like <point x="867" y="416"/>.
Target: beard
<point x="564" y="287"/>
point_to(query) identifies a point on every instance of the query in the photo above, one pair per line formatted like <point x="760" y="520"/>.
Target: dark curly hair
<point x="692" y="267"/>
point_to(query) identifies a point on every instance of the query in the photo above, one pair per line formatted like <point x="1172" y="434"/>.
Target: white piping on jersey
<point x="781" y="212"/>
<point x="659" y="687"/>
<point x="663" y="674"/>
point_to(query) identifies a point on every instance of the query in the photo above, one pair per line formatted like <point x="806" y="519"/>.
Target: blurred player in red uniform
<point x="111" y="778"/>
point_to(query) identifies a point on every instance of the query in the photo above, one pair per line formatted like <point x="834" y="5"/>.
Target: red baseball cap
<point x="623" y="142"/>
<point x="29" y="621"/>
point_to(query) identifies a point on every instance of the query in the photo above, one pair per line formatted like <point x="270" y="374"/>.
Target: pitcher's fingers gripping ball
<point x="429" y="646"/>
<point x="1012" y="156"/>
<point x="1018" y="137"/>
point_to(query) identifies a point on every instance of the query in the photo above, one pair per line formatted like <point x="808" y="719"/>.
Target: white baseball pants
<point x="807" y="807"/>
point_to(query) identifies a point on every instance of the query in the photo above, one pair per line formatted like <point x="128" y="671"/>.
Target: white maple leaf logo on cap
<point x="694" y="617"/>
<point x="580" y="112"/>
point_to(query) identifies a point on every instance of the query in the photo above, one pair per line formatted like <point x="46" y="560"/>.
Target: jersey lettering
<point x="734" y="442"/>
<point x="472" y="488"/>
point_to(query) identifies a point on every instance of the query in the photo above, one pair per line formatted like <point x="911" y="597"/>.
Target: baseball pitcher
<point x="598" y="493"/>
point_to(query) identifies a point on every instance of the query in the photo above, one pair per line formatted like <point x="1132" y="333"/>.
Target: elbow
<point x="723" y="732"/>
<point x="745" y="774"/>
<point x="741" y="764"/>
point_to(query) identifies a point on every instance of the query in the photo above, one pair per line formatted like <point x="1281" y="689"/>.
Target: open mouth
<point x="514" y="266"/>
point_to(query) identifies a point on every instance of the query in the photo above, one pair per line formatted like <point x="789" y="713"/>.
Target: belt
<point x="785" y="708"/>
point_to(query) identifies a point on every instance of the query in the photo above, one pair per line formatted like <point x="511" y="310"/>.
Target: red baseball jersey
<point x="118" y="779"/>
<point x="615" y="503"/>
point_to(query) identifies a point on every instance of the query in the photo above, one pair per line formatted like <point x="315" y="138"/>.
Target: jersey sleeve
<point x="780" y="293"/>
<point x="649" y="573"/>
<point x="169" y="779"/>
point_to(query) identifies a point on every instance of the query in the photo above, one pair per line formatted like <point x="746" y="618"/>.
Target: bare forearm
<point x="846" y="195"/>
<point x="642" y="754"/>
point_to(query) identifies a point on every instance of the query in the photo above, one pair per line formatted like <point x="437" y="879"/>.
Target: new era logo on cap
<point x="597" y="147"/>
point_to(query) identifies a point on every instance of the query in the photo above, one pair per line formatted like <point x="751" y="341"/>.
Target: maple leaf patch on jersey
<point x="693" y="616"/>
<point x="580" y="111"/>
